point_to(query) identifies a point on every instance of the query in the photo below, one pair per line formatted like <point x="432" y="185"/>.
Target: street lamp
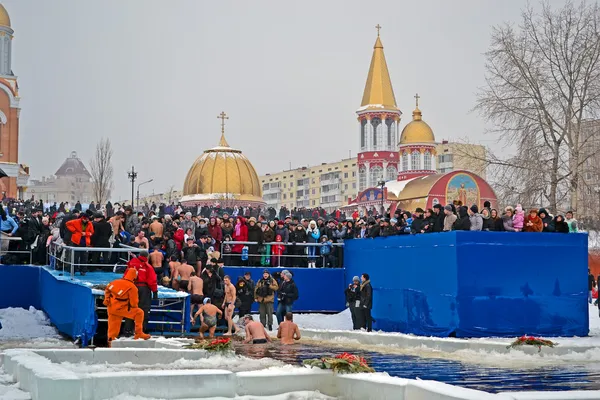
<point x="132" y="175"/>
<point x="138" y="192"/>
<point x="382" y="184"/>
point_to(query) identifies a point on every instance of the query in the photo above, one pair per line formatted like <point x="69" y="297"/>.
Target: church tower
<point x="378" y="117"/>
<point x="417" y="147"/>
<point x="9" y="112"/>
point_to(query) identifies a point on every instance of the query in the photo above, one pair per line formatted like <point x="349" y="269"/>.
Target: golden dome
<point x="4" y="18"/>
<point x="222" y="173"/>
<point x="417" y="131"/>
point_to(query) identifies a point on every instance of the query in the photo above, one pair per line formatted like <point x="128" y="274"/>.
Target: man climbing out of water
<point x="255" y="331"/>
<point x="208" y="318"/>
<point x="229" y="305"/>
<point x="288" y="331"/>
<point x="121" y="300"/>
<point x="196" y="289"/>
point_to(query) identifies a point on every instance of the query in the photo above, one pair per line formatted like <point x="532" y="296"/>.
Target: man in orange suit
<point x="121" y="300"/>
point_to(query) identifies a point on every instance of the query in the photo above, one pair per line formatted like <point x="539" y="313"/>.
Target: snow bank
<point x="305" y="395"/>
<point x="19" y="324"/>
<point x="10" y="390"/>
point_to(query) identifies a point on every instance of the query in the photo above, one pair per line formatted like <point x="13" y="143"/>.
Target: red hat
<point x="280" y="223"/>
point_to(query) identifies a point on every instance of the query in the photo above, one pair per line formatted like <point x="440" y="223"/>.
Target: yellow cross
<point x="417" y="97"/>
<point x="222" y="117"/>
<point x="378" y="27"/>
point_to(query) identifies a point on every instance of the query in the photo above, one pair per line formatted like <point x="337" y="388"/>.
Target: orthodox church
<point x="402" y="173"/>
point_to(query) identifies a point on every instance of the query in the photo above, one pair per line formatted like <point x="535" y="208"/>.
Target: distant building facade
<point x="588" y="190"/>
<point x="71" y="183"/>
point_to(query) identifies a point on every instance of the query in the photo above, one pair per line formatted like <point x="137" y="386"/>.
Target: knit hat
<point x="438" y="206"/>
<point x="252" y="219"/>
<point x="474" y="208"/>
<point x="280" y="223"/>
<point x="419" y="210"/>
<point x="266" y="271"/>
<point x="448" y="207"/>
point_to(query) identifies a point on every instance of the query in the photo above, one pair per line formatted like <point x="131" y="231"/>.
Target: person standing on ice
<point x="121" y="300"/>
<point x="146" y="285"/>
<point x="353" y="302"/>
<point x="286" y="296"/>
<point x="264" y="294"/>
<point x="366" y="302"/>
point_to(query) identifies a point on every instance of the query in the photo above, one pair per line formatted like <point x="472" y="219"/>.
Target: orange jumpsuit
<point x="121" y="300"/>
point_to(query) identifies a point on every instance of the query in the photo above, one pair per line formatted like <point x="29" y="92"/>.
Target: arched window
<point x="404" y="161"/>
<point x="376" y="122"/>
<point x="427" y="160"/>
<point x="362" y="178"/>
<point x="391" y="174"/>
<point x="363" y="134"/>
<point x="376" y="175"/>
<point x="390" y="134"/>
<point x="415" y="160"/>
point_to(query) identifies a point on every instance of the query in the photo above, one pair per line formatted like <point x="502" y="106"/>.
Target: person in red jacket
<point x="146" y="285"/>
<point x="240" y="234"/>
<point x="178" y="237"/>
<point x="81" y="236"/>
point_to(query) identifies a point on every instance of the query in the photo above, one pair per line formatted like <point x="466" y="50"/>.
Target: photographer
<point x="353" y="302"/>
<point x="264" y="295"/>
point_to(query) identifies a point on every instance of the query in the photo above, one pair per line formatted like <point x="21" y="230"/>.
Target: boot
<point x="142" y="335"/>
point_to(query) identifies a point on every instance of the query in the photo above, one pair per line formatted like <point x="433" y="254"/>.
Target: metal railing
<point x="76" y="258"/>
<point x="325" y="258"/>
<point x="5" y="247"/>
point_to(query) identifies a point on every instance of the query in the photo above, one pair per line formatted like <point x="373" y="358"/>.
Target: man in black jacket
<point x="438" y="218"/>
<point x="462" y="223"/>
<point x="100" y="238"/>
<point x="366" y="302"/>
<point x="353" y="302"/>
<point x="286" y="296"/>
<point x="418" y="224"/>
<point x="245" y="292"/>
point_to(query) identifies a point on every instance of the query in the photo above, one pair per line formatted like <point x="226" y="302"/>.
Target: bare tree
<point x="102" y="171"/>
<point x="542" y="83"/>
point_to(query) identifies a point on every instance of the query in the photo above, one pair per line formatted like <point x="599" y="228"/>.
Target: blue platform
<point x="476" y="284"/>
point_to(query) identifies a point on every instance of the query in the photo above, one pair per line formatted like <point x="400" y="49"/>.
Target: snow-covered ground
<point x="285" y="396"/>
<point x="28" y="328"/>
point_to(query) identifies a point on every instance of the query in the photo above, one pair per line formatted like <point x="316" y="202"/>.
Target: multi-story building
<point x="588" y="189"/>
<point x="328" y="185"/>
<point x="454" y="156"/>
<point x="72" y="182"/>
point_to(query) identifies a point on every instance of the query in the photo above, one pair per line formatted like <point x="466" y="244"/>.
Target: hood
<point x="242" y="220"/>
<point x="130" y="274"/>
<point x="278" y="238"/>
<point x="543" y="210"/>
<point x="462" y="212"/>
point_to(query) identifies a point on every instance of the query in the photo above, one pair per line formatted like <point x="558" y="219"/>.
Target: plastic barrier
<point x="19" y="286"/>
<point x="320" y="289"/>
<point x="476" y="284"/>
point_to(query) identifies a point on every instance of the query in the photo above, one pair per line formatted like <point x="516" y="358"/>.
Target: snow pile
<point x="18" y="323"/>
<point x="230" y="363"/>
<point x="9" y="390"/>
<point x="336" y="322"/>
<point x="285" y="396"/>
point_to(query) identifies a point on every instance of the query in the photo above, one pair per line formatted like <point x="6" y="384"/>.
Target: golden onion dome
<point x="4" y="17"/>
<point x="222" y="173"/>
<point x="417" y="130"/>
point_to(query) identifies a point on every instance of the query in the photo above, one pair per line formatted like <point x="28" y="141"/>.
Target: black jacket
<point x="561" y="227"/>
<point x="387" y="231"/>
<point x="288" y="292"/>
<point x="352" y="295"/>
<point x="547" y="221"/>
<point x="297" y="236"/>
<point x="201" y="231"/>
<point x="488" y="225"/>
<point x="102" y="232"/>
<point x="245" y="292"/>
<point x="255" y="234"/>
<point x="462" y="223"/>
<point x="418" y="225"/>
<point x="366" y="295"/>
<point x="191" y="255"/>
<point x="374" y="231"/>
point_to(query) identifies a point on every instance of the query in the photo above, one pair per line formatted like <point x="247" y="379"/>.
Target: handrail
<point x="286" y="243"/>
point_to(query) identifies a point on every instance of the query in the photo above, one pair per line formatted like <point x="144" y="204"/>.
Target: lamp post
<point x="382" y="184"/>
<point x="597" y="190"/>
<point x="132" y="175"/>
<point x="138" y="191"/>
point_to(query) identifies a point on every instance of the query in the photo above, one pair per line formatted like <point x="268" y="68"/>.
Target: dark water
<point x="471" y="376"/>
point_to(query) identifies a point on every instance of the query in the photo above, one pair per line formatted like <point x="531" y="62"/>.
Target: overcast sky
<point x="153" y="75"/>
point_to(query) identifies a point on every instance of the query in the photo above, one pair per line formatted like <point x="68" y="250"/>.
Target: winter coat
<point x="463" y="223"/>
<point x="438" y="222"/>
<point x="537" y="226"/>
<point x="498" y="224"/>
<point x="245" y="291"/>
<point x="75" y="226"/>
<point x="449" y="221"/>
<point x="476" y="222"/>
<point x="255" y="234"/>
<point x="269" y="235"/>
<point x="145" y="273"/>
<point x="312" y="235"/>
<point x="352" y="294"/>
<point x="242" y="237"/>
<point x="518" y="220"/>
<point x="488" y="224"/>
<point x="102" y="233"/>
<point x="547" y="221"/>
<point x="418" y="225"/>
<point x="288" y="292"/>
<point x="201" y="231"/>
<point x="560" y="227"/>
<point x="507" y="223"/>
<point x="366" y="295"/>
<point x="298" y="236"/>
<point x="284" y="232"/>
<point x="265" y="290"/>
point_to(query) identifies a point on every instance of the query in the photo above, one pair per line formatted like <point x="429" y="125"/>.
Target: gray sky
<point x="153" y="75"/>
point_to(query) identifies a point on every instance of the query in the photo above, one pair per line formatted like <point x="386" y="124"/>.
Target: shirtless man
<point x="157" y="228"/>
<point x="184" y="272"/>
<point x="173" y="266"/>
<point x="229" y="304"/>
<point x="255" y="331"/>
<point x="156" y="259"/>
<point x="288" y="331"/>
<point x="208" y="318"/>
<point x="196" y="287"/>
<point x="141" y="240"/>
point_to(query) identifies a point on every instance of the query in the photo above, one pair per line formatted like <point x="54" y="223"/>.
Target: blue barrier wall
<point x="19" y="286"/>
<point x="476" y="284"/>
<point x="321" y="290"/>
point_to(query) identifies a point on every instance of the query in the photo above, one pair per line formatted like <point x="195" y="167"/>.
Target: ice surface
<point x="285" y="396"/>
<point x="9" y="390"/>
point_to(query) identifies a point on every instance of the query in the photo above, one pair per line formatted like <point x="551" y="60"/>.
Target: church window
<point x="376" y="175"/>
<point x="404" y="161"/>
<point x="390" y="134"/>
<point x="391" y="173"/>
<point x="415" y="160"/>
<point x="376" y="132"/>
<point x="363" y="134"/>
<point x="362" y="178"/>
<point x="427" y="160"/>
